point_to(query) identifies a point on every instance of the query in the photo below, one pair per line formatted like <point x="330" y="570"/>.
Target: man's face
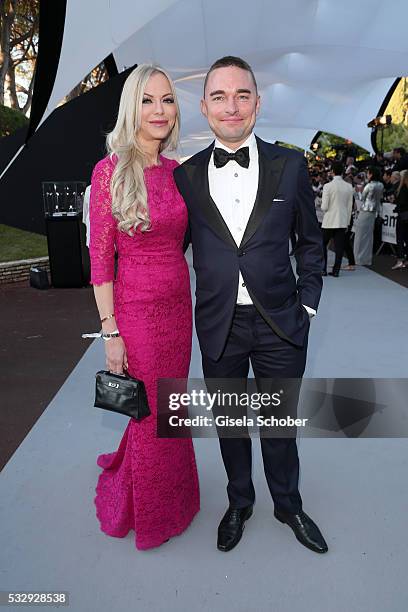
<point x="386" y="178"/>
<point x="230" y="104"/>
<point x="396" y="155"/>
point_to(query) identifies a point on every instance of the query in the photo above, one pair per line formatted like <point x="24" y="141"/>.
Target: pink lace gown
<point x="149" y="484"/>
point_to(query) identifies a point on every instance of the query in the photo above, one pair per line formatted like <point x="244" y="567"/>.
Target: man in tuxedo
<point x="243" y="197"/>
<point x="337" y="205"/>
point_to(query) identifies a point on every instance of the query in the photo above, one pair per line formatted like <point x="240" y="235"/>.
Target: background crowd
<point x="349" y="195"/>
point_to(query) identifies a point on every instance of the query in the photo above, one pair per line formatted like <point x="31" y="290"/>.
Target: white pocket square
<point x="278" y="200"/>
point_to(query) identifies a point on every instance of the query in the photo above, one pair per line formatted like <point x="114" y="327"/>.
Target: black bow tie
<point x="222" y="157"/>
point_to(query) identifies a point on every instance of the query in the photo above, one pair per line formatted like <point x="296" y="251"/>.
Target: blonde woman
<point x="149" y="484"/>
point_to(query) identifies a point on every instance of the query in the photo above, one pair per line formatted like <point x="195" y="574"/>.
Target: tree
<point x="396" y="135"/>
<point x="332" y="146"/>
<point x="11" y="120"/>
<point x="19" y="21"/>
<point x="98" y="75"/>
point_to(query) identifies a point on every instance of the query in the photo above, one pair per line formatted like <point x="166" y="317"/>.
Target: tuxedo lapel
<point x="198" y="177"/>
<point x="270" y="172"/>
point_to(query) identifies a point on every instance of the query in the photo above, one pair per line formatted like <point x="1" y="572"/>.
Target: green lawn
<point x="18" y="244"/>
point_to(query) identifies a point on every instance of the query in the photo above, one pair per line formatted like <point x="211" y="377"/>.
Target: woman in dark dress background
<point x="401" y="208"/>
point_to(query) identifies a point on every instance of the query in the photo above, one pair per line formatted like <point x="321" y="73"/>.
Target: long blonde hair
<point x="403" y="180"/>
<point x="128" y="188"/>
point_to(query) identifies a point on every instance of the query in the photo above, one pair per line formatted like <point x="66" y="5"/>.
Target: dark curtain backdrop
<point x="65" y="148"/>
<point x="50" y="35"/>
<point x="9" y="145"/>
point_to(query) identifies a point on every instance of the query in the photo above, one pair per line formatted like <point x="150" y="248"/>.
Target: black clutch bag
<point x="121" y="393"/>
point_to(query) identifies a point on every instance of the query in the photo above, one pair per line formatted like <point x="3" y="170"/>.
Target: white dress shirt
<point x="233" y="189"/>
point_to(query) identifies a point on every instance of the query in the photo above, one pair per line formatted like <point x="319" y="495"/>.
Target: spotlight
<point x="386" y="120"/>
<point x="380" y="121"/>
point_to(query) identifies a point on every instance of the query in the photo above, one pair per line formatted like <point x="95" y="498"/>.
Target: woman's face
<point x="158" y="110"/>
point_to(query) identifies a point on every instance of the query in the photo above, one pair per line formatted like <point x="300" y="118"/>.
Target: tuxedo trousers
<point x="251" y="340"/>
<point x="339" y="236"/>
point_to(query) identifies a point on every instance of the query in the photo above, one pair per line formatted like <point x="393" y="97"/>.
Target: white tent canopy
<point x="320" y="64"/>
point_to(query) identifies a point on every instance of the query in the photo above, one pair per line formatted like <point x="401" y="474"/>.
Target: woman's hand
<point x="116" y="358"/>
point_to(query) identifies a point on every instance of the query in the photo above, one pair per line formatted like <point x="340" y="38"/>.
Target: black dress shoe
<point x="305" y="530"/>
<point x="231" y="527"/>
<point x="334" y="273"/>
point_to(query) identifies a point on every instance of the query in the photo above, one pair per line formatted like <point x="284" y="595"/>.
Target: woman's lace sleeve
<point x="102" y="225"/>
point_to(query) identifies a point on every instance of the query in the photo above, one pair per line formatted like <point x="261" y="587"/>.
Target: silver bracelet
<point x="105" y="335"/>
<point x="108" y="336"/>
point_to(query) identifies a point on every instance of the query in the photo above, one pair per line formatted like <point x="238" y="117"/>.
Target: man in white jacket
<point x="337" y="204"/>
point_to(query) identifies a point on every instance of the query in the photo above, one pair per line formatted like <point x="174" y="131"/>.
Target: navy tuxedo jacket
<point x="263" y="254"/>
